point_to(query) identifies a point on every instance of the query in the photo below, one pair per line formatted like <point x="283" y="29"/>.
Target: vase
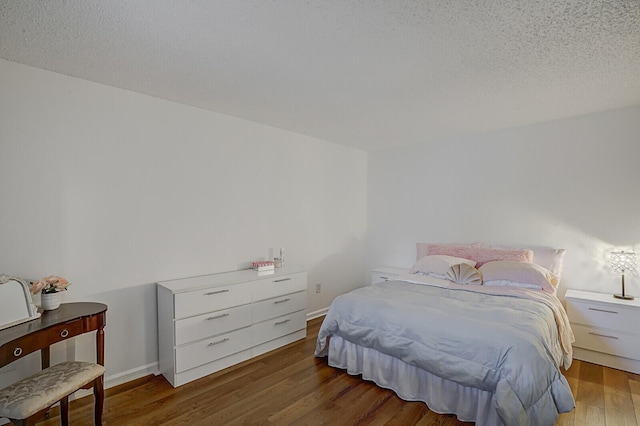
<point x="50" y="301"/>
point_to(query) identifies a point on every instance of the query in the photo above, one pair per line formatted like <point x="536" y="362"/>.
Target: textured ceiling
<point x="366" y="73"/>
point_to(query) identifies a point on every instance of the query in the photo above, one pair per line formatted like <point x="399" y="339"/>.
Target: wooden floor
<point x="290" y="386"/>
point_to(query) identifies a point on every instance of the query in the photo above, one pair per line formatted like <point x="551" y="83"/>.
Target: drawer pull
<point x="218" y="342"/>
<point x="281" y="280"/>
<point x="64" y="333"/>
<point x="603" y="335"/>
<point x="17" y="352"/>
<point x="281" y="301"/>
<point x="217" y="316"/>
<point x="282" y="322"/>
<point x="602" y="310"/>
<point x="384" y="278"/>
<point x="216" y="292"/>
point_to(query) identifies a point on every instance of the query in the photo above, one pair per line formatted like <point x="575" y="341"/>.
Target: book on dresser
<point x="211" y="322"/>
<point x="262" y="266"/>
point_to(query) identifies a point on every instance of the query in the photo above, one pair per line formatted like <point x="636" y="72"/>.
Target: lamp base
<point x="621" y="296"/>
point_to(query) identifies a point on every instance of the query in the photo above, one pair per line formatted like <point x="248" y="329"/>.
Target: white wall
<point x="570" y="183"/>
<point x="115" y="191"/>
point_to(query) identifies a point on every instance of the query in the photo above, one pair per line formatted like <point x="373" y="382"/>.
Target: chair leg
<point x="64" y="411"/>
<point x="98" y="392"/>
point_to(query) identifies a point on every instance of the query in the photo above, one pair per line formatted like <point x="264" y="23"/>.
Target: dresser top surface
<point x="224" y="278"/>
<point x="606" y="298"/>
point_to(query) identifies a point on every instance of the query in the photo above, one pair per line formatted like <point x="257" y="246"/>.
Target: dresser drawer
<point x="211" y="299"/>
<point x="22" y="346"/>
<point x="278" y="286"/>
<point x="64" y="331"/>
<point x="211" y="324"/>
<point x="37" y="340"/>
<point x="208" y="350"/>
<point x="609" y="316"/>
<point x="607" y="341"/>
<point x="279" y="306"/>
<point x="278" y="327"/>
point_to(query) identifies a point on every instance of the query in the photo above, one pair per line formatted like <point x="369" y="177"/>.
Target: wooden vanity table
<point x="69" y="320"/>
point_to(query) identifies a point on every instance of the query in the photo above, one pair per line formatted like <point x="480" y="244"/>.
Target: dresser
<point x="385" y="273"/>
<point x="211" y="322"/>
<point x="606" y="329"/>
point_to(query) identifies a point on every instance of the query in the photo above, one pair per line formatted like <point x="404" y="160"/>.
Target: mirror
<point x="16" y="305"/>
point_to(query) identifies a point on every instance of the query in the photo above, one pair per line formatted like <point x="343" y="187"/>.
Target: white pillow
<point x="518" y="274"/>
<point x="547" y="257"/>
<point x="550" y="258"/>
<point x="438" y="265"/>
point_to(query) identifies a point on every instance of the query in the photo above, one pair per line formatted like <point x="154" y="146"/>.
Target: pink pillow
<point x="519" y="274"/>
<point x="422" y="247"/>
<point x="481" y="255"/>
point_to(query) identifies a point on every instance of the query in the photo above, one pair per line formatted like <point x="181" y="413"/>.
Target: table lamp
<point x="622" y="261"/>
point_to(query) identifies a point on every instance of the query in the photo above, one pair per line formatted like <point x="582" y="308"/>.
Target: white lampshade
<point x="622" y="261"/>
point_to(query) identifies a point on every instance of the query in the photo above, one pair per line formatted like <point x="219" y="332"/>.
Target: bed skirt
<point x="414" y="384"/>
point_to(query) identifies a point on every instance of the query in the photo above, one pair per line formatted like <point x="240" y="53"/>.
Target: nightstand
<point x="385" y="273"/>
<point x="606" y="329"/>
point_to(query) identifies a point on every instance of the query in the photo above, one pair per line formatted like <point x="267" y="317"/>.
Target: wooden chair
<point x="27" y="400"/>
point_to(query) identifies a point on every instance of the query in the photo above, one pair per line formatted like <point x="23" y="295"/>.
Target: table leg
<point x="100" y="346"/>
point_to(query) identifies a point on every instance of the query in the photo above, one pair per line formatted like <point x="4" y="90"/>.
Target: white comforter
<point x="510" y="342"/>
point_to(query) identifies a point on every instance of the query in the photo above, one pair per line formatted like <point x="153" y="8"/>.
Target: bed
<point x="479" y="337"/>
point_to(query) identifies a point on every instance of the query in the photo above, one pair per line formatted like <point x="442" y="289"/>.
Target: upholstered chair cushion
<point x="39" y="391"/>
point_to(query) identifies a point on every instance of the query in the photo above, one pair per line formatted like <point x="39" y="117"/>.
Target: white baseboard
<point x="120" y="378"/>
<point x="129" y="375"/>
<point x="317" y="314"/>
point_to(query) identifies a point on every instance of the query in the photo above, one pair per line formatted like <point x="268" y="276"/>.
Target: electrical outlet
<point x="318" y="287"/>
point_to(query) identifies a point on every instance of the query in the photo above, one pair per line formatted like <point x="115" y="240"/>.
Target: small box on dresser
<point x="211" y="322"/>
<point x="606" y="329"/>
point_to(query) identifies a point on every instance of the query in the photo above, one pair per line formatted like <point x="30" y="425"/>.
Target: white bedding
<point x="507" y="342"/>
<point x="414" y="384"/>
